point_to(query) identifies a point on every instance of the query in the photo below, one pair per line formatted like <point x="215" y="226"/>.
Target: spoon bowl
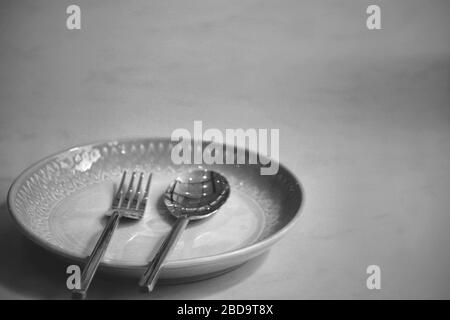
<point x="196" y="194"/>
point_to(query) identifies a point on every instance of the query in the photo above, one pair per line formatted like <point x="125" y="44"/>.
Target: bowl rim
<point x="216" y="258"/>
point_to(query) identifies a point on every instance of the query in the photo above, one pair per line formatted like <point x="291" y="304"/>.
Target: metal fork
<point x="130" y="204"/>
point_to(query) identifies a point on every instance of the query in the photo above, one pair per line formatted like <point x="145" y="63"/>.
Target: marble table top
<point x="364" y="120"/>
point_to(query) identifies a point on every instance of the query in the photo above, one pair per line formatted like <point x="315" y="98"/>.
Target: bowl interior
<point x="61" y="201"/>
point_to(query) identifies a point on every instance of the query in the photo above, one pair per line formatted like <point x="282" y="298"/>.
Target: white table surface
<point x="364" y="119"/>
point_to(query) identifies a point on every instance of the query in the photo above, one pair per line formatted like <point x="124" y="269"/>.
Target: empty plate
<point x="60" y="203"/>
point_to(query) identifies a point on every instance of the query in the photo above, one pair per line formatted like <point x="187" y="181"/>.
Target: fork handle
<point x="150" y="275"/>
<point x="96" y="256"/>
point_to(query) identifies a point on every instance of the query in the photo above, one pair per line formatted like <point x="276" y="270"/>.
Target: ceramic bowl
<point x="60" y="203"/>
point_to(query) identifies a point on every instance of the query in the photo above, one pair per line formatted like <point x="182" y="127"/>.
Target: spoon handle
<point x="150" y="275"/>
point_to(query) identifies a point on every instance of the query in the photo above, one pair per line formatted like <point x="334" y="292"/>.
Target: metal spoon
<point x="193" y="195"/>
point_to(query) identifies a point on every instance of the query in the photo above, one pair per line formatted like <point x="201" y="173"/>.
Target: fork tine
<point x="127" y="200"/>
<point x="137" y="194"/>
<point x="143" y="201"/>
<point x="119" y="192"/>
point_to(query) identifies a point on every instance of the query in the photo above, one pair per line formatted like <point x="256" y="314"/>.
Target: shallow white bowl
<point x="60" y="203"/>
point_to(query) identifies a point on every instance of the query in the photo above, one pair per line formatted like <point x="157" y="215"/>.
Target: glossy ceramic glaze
<point x="60" y="203"/>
